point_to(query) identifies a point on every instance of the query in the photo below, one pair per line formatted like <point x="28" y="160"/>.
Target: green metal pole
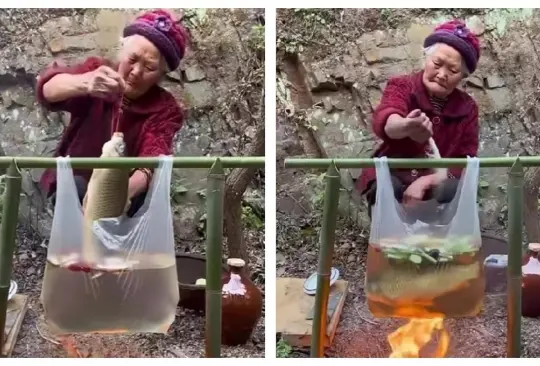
<point x="214" y="237"/>
<point x="9" y="218"/>
<point x="515" y="252"/>
<point x="326" y="248"/>
<point x="526" y="161"/>
<point x="96" y="163"/>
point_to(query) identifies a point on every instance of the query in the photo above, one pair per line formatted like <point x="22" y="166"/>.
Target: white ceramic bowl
<point x="310" y="286"/>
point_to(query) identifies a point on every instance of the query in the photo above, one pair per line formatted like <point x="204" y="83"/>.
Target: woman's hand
<point x="105" y="83"/>
<point x="416" y="126"/>
<point x="417" y="190"/>
<point x="419" y="127"/>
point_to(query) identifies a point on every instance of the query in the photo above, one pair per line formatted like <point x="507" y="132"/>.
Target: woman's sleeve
<point x="469" y="142"/>
<point x="59" y="67"/>
<point x="395" y="100"/>
<point x="159" y="132"/>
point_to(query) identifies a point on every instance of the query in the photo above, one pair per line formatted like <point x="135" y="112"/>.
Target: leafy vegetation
<point x="426" y="250"/>
<point x="283" y="349"/>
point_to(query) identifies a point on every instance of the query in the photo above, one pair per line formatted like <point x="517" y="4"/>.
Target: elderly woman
<point x="98" y="91"/>
<point x="428" y="104"/>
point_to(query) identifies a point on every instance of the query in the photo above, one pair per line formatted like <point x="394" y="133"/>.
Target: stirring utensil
<point x="436" y="155"/>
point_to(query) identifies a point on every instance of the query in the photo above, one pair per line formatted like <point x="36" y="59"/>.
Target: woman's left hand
<point x="417" y="190"/>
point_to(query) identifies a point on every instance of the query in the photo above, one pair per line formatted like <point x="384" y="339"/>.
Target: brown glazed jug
<point x="530" y="289"/>
<point x="241" y="305"/>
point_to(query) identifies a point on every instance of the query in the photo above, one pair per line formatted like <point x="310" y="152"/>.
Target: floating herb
<point x="420" y="249"/>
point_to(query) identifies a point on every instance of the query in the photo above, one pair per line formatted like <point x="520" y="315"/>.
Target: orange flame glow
<point x="408" y="340"/>
<point x="94" y="348"/>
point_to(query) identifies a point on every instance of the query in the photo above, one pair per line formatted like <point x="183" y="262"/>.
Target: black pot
<point x="191" y="267"/>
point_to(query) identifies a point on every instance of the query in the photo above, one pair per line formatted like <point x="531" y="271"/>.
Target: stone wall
<point x="347" y="84"/>
<point x="31" y="39"/>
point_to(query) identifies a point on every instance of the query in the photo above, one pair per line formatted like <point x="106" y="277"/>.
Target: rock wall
<point x="32" y="38"/>
<point x="347" y="76"/>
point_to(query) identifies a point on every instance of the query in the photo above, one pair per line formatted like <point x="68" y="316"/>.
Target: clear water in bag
<point x="112" y="300"/>
<point x="425" y="269"/>
<point x="133" y="287"/>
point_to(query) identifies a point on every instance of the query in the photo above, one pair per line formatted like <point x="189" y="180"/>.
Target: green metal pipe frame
<point x="526" y="161"/>
<point x="214" y="237"/>
<point x="96" y="163"/>
<point x="215" y="199"/>
<point x="7" y="240"/>
<point x="326" y="245"/>
<point x="515" y="251"/>
<point x="515" y="234"/>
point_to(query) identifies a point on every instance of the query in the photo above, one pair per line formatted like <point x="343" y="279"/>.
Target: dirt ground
<point x="185" y="339"/>
<point x="359" y="334"/>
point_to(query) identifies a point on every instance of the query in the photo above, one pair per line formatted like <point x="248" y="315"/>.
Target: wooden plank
<point x="293" y="307"/>
<point x="16" y="311"/>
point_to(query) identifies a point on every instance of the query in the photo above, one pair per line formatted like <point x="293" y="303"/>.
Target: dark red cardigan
<point x="455" y="130"/>
<point x="149" y="123"/>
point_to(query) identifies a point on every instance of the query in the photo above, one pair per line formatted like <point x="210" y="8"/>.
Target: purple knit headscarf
<point x="456" y="34"/>
<point x="160" y="29"/>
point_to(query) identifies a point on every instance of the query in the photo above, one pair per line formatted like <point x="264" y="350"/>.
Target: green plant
<point x="317" y="200"/>
<point x="301" y="28"/>
<point x="251" y="219"/>
<point x="256" y="40"/>
<point x="283" y="349"/>
<point x="196" y="17"/>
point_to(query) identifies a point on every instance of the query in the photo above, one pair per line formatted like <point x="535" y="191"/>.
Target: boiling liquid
<point x="450" y="289"/>
<point x="142" y="298"/>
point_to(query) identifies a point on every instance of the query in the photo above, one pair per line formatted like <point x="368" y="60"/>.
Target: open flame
<point x="408" y="340"/>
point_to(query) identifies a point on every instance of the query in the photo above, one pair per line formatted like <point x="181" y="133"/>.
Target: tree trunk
<point x="302" y="100"/>
<point x="235" y="186"/>
<point x="530" y="208"/>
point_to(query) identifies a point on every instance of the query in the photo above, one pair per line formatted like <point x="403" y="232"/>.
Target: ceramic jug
<point x="530" y="289"/>
<point x="242" y="305"/>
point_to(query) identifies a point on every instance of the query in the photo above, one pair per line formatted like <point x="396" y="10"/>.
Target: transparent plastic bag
<point x="425" y="261"/>
<point x="134" y="286"/>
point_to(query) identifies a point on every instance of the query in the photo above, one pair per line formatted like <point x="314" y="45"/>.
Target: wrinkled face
<point x="141" y="65"/>
<point x="443" y="70"/>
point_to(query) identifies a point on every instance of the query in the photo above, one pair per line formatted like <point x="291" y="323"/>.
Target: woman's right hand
<point x="419" y="127"/>
<point x="105" y="83"/>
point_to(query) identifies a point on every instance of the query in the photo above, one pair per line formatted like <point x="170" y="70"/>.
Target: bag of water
<point x="425" y="261"/>
<point x="130" y="285"/>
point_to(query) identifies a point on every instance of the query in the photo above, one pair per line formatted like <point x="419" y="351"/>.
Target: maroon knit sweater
<point x="148" y="123"/>
<point x="455" y="129"/>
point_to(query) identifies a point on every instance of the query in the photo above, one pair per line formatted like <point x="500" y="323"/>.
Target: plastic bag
<point x="425" y="261"/>
<point x="134" y="287"/>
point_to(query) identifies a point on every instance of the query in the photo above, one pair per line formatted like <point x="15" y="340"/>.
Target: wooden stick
<point x="437" y="155"/>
